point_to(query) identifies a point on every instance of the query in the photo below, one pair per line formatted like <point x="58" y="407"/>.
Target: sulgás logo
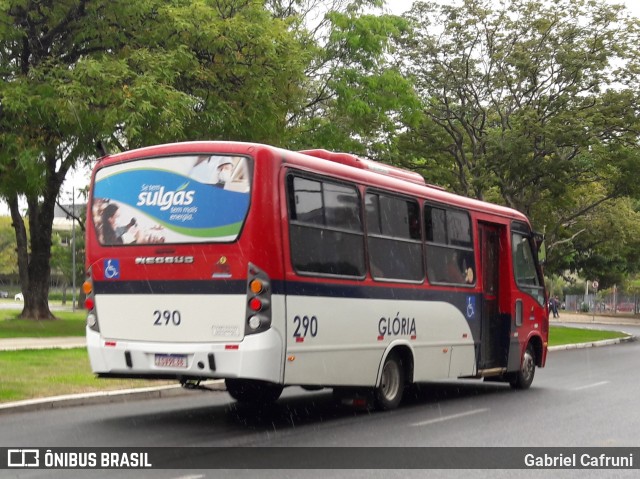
<point x="155" y="195"/>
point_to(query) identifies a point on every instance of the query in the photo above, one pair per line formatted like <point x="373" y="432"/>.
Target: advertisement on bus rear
<point x="179" y="199"/>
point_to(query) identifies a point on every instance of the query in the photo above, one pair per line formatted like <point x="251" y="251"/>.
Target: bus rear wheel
<point x="389" y="393"/>
<point x="524" y="377"/>
<point x="252" y="391"/>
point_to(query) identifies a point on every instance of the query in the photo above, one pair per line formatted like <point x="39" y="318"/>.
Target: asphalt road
<point x="583" y="398"/>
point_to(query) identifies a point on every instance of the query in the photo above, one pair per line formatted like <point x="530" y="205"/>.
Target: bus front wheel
<point x="524" y="377"/>
<point x="389" y="393"/>
<point x="253" y="391"/>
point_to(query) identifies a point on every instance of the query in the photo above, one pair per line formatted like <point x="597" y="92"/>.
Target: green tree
<point x="8" y="263"/>
<point x="608" y="249"/>
<point x="130" y="74"/>
<point x="531" y="104"/>
<point x="72" y="72"/>
<point x="356" y="98"/>
<point x="62" y="261"/>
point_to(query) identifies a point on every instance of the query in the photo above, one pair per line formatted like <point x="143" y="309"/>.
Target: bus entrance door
<point x="494" y="329"/>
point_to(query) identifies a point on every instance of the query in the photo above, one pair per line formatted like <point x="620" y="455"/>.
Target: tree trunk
<point x="35" y="265"/>
<point x="34" y="269"/>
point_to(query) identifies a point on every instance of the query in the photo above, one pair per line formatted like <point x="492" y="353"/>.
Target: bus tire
<point x="388" y="394"/>
<point x="253" y="391"/>
<point x="524" y="377"/>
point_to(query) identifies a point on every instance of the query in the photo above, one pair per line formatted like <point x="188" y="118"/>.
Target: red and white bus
<point x="271" y="268"/>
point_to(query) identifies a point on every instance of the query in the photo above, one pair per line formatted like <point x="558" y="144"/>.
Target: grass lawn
<point x="559" y="335"/>
<point x="54" y="372"/>
<point x="68" y="324"/>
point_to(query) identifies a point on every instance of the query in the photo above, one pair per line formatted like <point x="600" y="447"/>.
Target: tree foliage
<point x="131" y="74"/>
<point x="526" y="103"/>
<point x="356" y="98"/>
<point x="533" y="104"/>
<point x="62" y="259"/>
<point x="8" y="263"/>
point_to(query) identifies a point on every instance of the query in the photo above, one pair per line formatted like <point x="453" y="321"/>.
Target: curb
<point x="593" y="344"/>
<point x="22" y="344"/>
<point x="106" y="397"/>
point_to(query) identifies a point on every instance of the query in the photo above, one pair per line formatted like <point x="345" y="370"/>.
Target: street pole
<point x="73" y="247"/>
<point x="586" y="292"/>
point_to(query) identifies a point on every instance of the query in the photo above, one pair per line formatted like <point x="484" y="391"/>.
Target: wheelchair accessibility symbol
<point x="471" y="307"/>
<point x="112" y="269"/>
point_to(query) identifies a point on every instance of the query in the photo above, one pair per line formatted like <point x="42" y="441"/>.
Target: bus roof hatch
<point x="375" y="166"/>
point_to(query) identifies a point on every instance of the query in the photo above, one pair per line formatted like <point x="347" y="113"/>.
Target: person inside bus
<point x="453" y="273"/>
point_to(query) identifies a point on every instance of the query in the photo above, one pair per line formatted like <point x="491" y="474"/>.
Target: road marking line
<point x="447" y="418"/>
<point x="594" y="385"/>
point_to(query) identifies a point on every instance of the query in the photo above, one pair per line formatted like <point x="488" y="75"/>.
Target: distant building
<point x="62" y="220"/>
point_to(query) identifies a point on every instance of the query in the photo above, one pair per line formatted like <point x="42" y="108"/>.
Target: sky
<point x="78" y="180"/>
<point x="398" y="7"/>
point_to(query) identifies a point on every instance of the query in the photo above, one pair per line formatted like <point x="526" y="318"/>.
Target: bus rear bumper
<point x="258" y="356"/>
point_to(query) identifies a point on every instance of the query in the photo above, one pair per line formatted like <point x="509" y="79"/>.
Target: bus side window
<point x="393" y="237"/>
<point x="325" y="227"/>
<point x="450" y="253"/>
<point x="525" y="271"/>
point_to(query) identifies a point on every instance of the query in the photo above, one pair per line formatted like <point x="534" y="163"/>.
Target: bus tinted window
<point x="342" y="207"/>
<point x="459" y="229"/>
<point x="450" y="254"/>
<point x="176" y="199"/>
<point x="395" y="244"/>
<point x="524" y="266"/>
<point x="325" y="227"/>
<point x="308" y="207"/>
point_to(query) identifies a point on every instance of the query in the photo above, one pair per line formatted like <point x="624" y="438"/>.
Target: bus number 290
<point x="305" y="326"/>
<point x="166" y="317"/>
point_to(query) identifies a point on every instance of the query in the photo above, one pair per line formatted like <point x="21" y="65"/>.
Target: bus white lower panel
<point x="258" y="356"/>
<point x="342" y="341"/>
<point x="172" y="317"/>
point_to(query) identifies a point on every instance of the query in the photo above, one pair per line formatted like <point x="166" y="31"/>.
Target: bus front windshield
<point x="176" y="199"/>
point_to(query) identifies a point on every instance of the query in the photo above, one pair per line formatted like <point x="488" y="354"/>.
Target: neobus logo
<point x="165" y="260"/>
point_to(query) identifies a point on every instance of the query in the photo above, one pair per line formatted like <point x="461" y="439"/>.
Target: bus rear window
<point x="177" y="199"/>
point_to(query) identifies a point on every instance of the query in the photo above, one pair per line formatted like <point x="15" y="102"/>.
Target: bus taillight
<point x="258" y="316"/>
<point x="255" y="304"/>
<point x="90" y="303"/>
<point x="256" y="286"/>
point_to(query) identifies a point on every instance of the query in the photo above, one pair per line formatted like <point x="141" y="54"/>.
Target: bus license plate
<point x="171" y="360"/>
